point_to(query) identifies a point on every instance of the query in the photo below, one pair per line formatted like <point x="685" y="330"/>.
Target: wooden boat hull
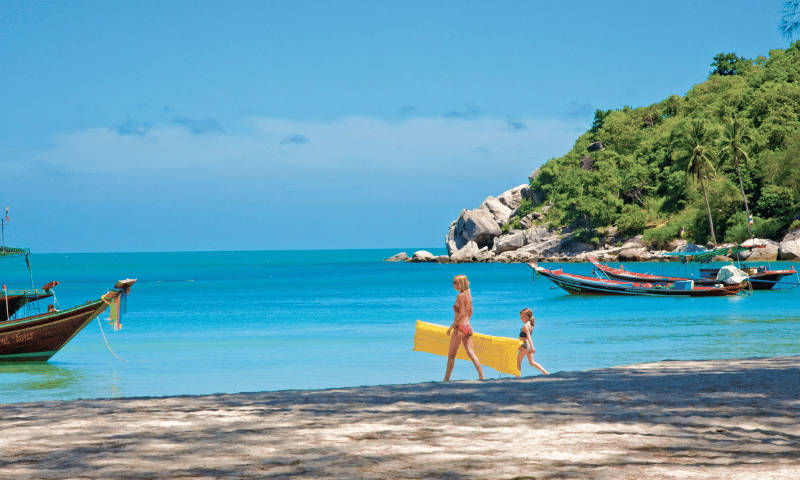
<point x="582" y="285"/>
<point x="39" y="337"/>
<point x="14" y="302"/>
<point x="625" y="275"/>
<point x="763" y="280"/>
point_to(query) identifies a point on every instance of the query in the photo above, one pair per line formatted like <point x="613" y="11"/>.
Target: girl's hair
<point x="461" y="282"/>
<point x="527" y="312"/>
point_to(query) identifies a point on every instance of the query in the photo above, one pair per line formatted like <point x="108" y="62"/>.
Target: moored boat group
<point x="725" y="281"/>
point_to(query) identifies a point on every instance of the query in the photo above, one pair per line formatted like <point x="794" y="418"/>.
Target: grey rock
<point x="513" y="198"/>
<point x="466" y="253"/>
<point x="595" y="147"/>
<point x="789" y="250"/>
<point x="400" y="257"/>
<point x="510" y="242"/>
<point x="632" y="254"/>
<point x="423" y="256"/>
<point x="791" y="236"/>
<point x="675" y="245"/>
<point x="496" y="209"/>
<point x="475" y="226"/>
<point x="533" y="175"/>
<point x="768" y="252"/>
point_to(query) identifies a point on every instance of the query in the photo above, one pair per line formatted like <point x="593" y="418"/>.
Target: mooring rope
<point x="104" y="338"/>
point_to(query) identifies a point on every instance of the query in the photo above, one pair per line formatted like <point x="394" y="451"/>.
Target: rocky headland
<point x="478" y="236"/>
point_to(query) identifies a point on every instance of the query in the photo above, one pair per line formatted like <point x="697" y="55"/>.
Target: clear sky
<point x="260" y="125"/>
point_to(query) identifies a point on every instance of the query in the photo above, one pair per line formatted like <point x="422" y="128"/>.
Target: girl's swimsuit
<point x="523" y="336"/>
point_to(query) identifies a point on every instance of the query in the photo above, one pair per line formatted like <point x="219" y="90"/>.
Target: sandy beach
<point x="674" y="419"/>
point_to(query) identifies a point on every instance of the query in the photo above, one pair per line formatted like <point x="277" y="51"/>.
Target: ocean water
<point x="228" y="322"/>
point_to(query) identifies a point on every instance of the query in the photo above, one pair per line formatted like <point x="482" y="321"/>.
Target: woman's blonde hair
<point x="461" y="282"/>
<point x="527" y="312"/>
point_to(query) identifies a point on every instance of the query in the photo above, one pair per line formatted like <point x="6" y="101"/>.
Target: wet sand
<point x="731" y="419"/>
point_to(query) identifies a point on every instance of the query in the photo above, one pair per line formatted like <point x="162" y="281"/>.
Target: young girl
<point x="526" y="349"/>
<point x="461" y="331"/>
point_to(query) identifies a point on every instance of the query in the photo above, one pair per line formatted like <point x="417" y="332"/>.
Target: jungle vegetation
<point x="697" y="164"/>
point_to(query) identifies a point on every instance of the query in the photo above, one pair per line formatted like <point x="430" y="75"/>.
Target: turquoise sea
<point x="227" y="322"/>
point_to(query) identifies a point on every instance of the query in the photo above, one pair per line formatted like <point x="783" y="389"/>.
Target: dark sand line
<point x="734" y="419"/>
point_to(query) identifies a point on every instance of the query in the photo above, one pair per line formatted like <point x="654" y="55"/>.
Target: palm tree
<point x="695" y="145"/>
<point x="733" y="135"/>
<point x="790" y="23"/>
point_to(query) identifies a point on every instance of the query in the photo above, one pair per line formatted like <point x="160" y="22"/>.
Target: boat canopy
<point x="703" y="255"/>
<point x="13" y="252"/>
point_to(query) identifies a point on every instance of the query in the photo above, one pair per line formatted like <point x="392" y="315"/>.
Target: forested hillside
<point x="672" y="166"/>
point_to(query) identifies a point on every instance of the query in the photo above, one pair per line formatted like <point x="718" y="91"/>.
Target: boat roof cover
<point x="692" y="252"/>
<point x="731" y="275"/>
<point x="13" y="252"/>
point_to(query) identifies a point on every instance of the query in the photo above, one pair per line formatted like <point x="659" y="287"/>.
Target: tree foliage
<point x="750" y="110"/>
<point x="729" y="64"/>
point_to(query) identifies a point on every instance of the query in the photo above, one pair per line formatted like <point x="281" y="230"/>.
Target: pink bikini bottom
<point x="466" y="330"/>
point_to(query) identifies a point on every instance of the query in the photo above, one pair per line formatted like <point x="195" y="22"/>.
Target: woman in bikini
<point x="526" y="349"/>
<point x="460" y="331"/>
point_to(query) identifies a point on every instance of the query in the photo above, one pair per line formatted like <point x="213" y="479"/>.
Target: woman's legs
<point x="467" y="341"/>
<point x="455" y="340"/>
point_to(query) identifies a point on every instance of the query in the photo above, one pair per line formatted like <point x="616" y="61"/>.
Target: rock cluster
<point x="477" y="236"/>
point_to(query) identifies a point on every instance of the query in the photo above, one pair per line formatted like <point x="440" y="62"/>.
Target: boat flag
<point x="7" y="219"/>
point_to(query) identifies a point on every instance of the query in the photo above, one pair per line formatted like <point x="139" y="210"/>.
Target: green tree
<point x="695" y="145"/>
<point x="599" y="118"/>
<point x="733" y="135"/>
<point x="729" y="64"/>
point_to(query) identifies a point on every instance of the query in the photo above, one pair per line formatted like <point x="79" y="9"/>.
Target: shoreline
<point x="731" y="418"/>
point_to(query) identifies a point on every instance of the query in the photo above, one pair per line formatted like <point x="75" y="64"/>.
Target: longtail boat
<point x="36" y="338"/>
<point x="583" y="285"/>
<point x="12" y="301"/>
<point x="760" y="278"/>
<point x="32" y="336"/>
<point x="620" y="273"/>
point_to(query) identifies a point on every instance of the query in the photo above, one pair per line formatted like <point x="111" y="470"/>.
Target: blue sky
<point x="261" y="125"/>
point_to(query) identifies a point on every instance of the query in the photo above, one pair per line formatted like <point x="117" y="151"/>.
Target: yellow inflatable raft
<point x="499" y="353"/>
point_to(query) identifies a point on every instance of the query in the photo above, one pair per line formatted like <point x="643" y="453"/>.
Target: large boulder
<point x="633" y="254"/>
<point x="510" y="242"/>
<point x="477" y="226"/>
<point x="764" y="250"/>
<point x="450" y="240"/>
<point x="513" y="198"/>
<point x="400" y="257"/>
<point x="789" y="250"/>
<point x="496" y="209"/>
<point x="544" y="248"/>
<point x="675" y="245"/>
<point x="423" y="256"/>
<point x="595" y="147"/>
<point x="791" y="236"/>
<point x="466" y="253"/>
<point x="538" y="235"/>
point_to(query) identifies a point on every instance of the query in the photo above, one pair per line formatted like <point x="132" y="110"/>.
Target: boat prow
<point x="36" y="338"/>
